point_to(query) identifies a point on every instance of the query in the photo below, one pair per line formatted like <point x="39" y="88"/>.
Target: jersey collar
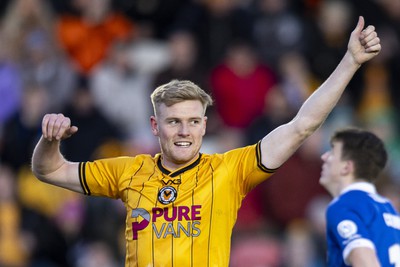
<point x="179" y="171"/>
<point x="361" y="186"/>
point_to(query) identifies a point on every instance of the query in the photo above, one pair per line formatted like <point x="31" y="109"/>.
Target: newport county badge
<point x="167" y="195"/>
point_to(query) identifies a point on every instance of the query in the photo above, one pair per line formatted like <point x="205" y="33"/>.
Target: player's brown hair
<point x="365" y="149"/>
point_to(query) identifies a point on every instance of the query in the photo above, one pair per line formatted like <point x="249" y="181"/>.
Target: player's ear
<point x="348" y="167"/>
<point x="154" y="125"/>
<point x="204" y="125"/>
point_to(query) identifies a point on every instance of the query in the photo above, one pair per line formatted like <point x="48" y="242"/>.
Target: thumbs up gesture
<point x="364" y="44"/>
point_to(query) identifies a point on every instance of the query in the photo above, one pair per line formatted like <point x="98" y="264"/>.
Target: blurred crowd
<point x="97" y="61"/>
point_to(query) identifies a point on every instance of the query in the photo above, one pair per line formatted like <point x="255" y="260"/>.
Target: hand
<point x="363" y="44"/>
<point x="57" y="126"/>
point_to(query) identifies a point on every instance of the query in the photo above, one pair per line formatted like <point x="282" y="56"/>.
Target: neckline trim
<point x="179" y="171"/>
<point x="362" y="186"/>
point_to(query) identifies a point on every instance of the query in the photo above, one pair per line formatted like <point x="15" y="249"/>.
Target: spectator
<point x="21" y="18"/>
<point x="277" y="30"/>
<point x="43" y="63"/>
<point x="216" y="24"/>
<point x="239" y="85"/>
<point x="88" y="36"/>
<point x="22" y="130"/>
<point x="299" y="247"/>
<point x="118" y="79"/>
<point x="95" y="129"/>
<point x="13" y="248"/>
<point x="184" y="60"/>
<point x="29" y="38"/>
<point x="331" y="25"/>
<point x="10" y="87"/>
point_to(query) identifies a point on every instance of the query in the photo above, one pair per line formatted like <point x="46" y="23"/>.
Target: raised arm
<point x="48" y="164"/>
<point x="282" y="142"/>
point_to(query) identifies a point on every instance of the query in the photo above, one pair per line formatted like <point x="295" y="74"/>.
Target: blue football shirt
<point x="359" y="217"/>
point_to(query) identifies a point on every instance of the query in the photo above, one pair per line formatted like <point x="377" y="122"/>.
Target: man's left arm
<point x="282" y="142"/>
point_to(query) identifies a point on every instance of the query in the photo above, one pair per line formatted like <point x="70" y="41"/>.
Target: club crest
<point x="167" y="195"/>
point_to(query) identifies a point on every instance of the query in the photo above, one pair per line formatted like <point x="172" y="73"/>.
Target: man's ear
<point x="154" y="125"/>
<point x="204" y="125"/>
<point x="348" y="167"/>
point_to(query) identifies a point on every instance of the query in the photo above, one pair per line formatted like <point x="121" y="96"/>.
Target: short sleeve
<point x="102" y="177"/>
<point x="245" y="164"/>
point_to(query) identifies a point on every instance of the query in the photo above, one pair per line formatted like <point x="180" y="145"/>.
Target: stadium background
<point x="97" y="61"/>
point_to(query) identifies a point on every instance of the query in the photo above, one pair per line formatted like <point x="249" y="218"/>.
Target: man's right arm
<point x="48" y="164"/>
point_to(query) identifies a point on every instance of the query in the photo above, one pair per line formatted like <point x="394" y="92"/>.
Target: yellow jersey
<point x="179" y="218"/>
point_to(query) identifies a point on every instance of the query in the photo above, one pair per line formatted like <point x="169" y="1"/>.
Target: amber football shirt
<point x="180" y="218"/>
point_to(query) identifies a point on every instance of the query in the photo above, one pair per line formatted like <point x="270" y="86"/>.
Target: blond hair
<point x="177" y="91"/>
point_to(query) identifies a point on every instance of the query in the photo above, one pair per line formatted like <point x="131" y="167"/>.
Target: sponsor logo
<point x="167" y="195"/>
<point x="187" y="221"/>
<point x="171" y="182"/>
<point x="142" y="221"/>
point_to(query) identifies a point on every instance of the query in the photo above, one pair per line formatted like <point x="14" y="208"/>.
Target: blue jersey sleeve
<point x="358" y="219"/>
<point x="348" y="229"/>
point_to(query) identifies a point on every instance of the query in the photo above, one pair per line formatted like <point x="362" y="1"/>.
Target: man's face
<point x="333" y="168"/>
<point x="180" y="129"/>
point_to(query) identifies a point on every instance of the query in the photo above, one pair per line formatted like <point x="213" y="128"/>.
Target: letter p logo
<point x="142" y="220"/>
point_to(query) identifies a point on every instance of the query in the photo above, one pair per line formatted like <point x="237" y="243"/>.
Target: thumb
<point x="73" y="129"/>
<point x="360" y="24"/>
<point x="70" y="131"/>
